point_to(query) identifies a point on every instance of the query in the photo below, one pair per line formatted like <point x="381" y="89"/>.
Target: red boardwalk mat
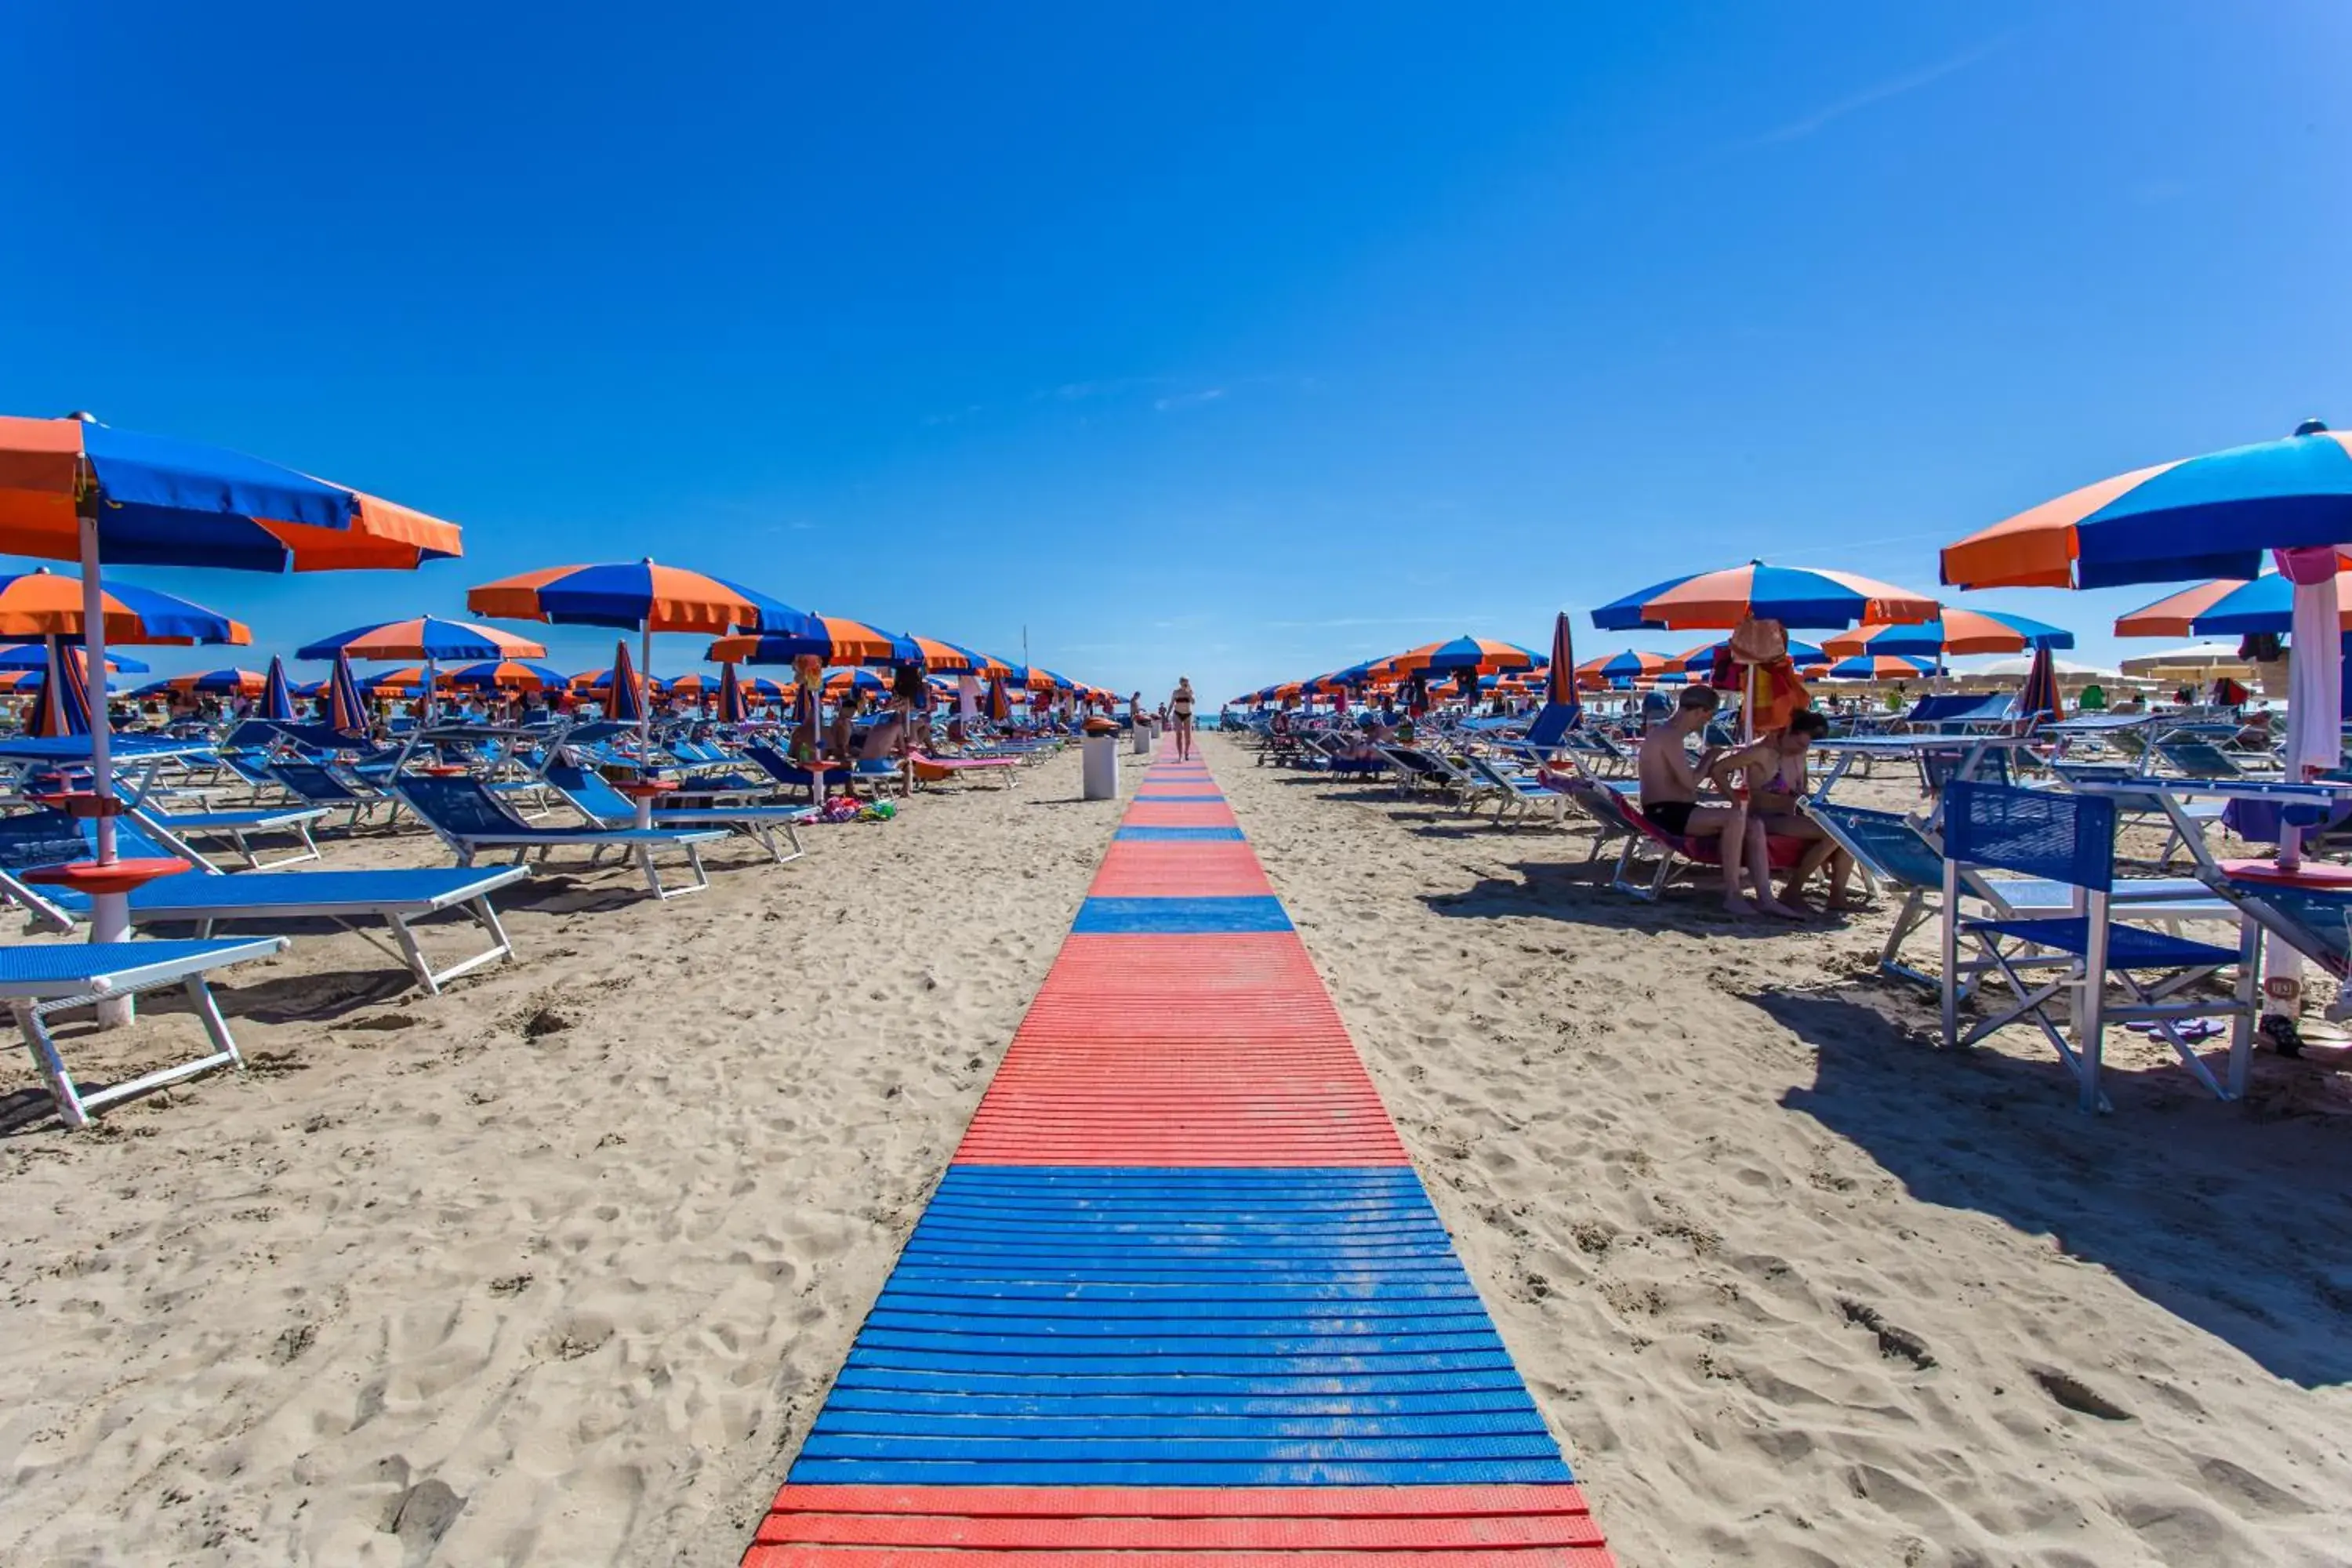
<point x="1179" y="814"/>
<point x="1134" y="869"/>
<point x="1204" y="1527"/>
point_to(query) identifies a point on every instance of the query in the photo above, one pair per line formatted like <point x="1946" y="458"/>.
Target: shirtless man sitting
<point x="1670" y="785"/>
<point x="1775" y="767"/>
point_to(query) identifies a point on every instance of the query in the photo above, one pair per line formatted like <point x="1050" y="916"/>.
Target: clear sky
<point x="1240" y="340"/>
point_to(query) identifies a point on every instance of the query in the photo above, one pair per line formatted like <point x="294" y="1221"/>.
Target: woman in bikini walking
<point x="1180" y="709"/>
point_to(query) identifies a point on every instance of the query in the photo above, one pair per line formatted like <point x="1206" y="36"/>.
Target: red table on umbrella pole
<point x="645" y="792"/>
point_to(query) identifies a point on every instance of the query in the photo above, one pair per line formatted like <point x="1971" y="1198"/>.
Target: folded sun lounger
<point x="38" y="981"/>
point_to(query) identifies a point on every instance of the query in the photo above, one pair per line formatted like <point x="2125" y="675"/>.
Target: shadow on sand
<point x="1578" y="892"/>
<point x="2233" y="1217"/>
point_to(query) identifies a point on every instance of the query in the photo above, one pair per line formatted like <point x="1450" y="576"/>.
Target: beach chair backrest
<point x="1939" y="764"/>
<point x="2323" y="916"/>
<point x="1551" y="725"/>
<point x="315" y="784"/>
<point x="2053" y="834"/>
<point x="460" y="807"/>
<point x="589" y="791"/>
<point x="2198" y="759"/>
<point x="41" y="837"/>
<point x="1890" y="845"/>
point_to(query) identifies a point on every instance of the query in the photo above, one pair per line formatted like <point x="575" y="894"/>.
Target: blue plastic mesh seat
<point x="460" y="806"/>
<point x="1890" y="841"/>
<point x="2326" y="915"/>
<point x="2050" y="834"/>
<point x="2129" y="947"/>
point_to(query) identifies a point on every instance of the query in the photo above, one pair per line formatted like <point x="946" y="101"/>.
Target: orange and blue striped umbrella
<point x="61" y="707"/>
<point x="1483" y="656"/>
<point x="158" y="501"/>
<point x="2201" y="517"/>
<point x="210" y="682"/>
<point x="1559" y="676"/>
<point x="941" y="658"/>
<point x="426" y="638"/>
<point x="35" y="656"/>
<point x="277" y="701"/>
<point x="1631" y="664"/>
<point x="1955" y="631"/>
<point x="46" y="604"/>
<point x="504" y="675"/>
<point x="627" y="701"/>
<point x="2229" y="607"/>
<point x="639" y="595"/>
<point x="347" y="712"/>
<point x="836" y="639"/>
<point x="1793" y="595"/>
<point x="1880" y="667"/>
<point x="839" y="683"/>
<point x="732" y="710"/>
<point x="2039" y="700"/>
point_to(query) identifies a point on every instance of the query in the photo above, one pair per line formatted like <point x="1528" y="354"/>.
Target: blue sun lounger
<point x="237" y="829"/>
<point x="599" y="802"/>
<point x="39" y="981"/>
<point x="470" y="819"/>
<point x="207" y="897"/>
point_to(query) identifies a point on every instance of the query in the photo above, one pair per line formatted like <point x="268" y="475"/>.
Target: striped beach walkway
<point x="1180" y="1299"/>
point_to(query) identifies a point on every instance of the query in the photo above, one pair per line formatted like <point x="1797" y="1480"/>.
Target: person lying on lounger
<point x="1775" y="771"/>
<point x="1670" y="786"/>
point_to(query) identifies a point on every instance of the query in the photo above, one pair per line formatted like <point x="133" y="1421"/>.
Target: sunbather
<point x="1670" y="786"/>
<point x="1775" y="770"/>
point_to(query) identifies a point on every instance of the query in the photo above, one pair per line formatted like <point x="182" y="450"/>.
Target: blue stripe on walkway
<point x="1180" y="917"/>
<point x="1179" y="835"/>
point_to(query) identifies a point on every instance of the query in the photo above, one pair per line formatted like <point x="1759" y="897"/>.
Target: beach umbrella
<point x="212" y="682"/>
<point x="1879" y="666"/>
<point x="630" y="704"/>
<point x="733" y="709"/>
<point x="1626" y="665"/>
<point x="1559" y="674"/>
<point x="2212" y="516"/>
<point x="840" y="683"/>
<point x="2039" y="701"/>
<point x="428" y="638"/>
<point x="939" y="657"/>
<point x="1955" y="631"/>
<point x="2229" y="606"/>
<point x="1000" y="704"/>
<point x="402" y="681"/>
<point x="46" y="604"/>
<point x="309" y="688"/>
<point x="590" y="681"/>
<point x="640" y="595"/>
<point x="35" y="656"/>
<point x="1798" y="596"/>
<point x="2199" y="661"/>
<point x="505" y="675"/>
<point x="346" y="711"/>
<point x="2199" y="518"/>
<point x="61" y="707"/>
<point x="1484" y="655"/>
<point x="73" y="489"/>
<point x="834" y="639"/>
<point x="1700" y="660"/>
<point x="276" y="702"/>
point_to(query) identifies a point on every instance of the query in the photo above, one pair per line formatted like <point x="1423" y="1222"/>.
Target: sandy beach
<point x="556" y="1268"/>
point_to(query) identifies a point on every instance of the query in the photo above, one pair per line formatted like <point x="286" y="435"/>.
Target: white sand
<point x="564" y="1297"/>
<point x="432" y="1287"/>
<point x="1727" y="1202"/>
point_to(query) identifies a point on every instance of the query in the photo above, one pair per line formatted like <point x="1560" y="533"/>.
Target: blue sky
<point x="1236" y="341"/>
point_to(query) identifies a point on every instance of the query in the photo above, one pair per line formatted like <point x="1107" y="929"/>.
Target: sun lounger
<point x="593" y="797"/>
<point x="929" y="769"/>
<point x="470" y="819"/>
<point x="1897" y="855"/>
<point x="1674" y="851"/>
<point x="2201" y="759"/>
<point x="238" y="828"/>
<point x="49" y="978"/>
<point x="316" y="785"/>
<point x="1416" y="770"/>
<point x="1515" y="795"/>
<point x="207" y="897"/>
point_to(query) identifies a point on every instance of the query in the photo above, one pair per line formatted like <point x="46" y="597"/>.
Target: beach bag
<point x="877" y="811"/>
<point x="841" y="808"/>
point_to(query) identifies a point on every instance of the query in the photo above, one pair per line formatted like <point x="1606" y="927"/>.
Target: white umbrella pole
<point x="645" y="694"/>
<point x="110" y="913"/>
<point x="2314" y="744"/>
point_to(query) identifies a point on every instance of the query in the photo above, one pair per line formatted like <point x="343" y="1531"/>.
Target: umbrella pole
<point x="110" y="913"/>
<point x="646" y="696"/>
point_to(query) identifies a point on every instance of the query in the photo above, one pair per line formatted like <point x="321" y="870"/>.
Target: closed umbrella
<point x="277" y="701"/>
